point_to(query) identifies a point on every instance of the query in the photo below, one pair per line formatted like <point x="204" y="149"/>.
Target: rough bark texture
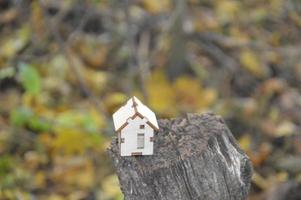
<point x="194" y="158"/>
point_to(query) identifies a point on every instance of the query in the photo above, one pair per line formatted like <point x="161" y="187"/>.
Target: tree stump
<point x="195" y="157"/>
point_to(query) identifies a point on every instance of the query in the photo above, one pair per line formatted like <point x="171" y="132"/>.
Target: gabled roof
<point x="133" y="107"/>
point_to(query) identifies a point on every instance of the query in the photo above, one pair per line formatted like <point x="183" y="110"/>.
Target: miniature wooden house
<point x="135" y="124"/>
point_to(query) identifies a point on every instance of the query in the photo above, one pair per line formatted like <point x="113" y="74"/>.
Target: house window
<point x="142" y="126"/>
<point x="140" y="141"/>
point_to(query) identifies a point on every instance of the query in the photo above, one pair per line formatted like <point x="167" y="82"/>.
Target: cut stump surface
<point x="195" y="157"/>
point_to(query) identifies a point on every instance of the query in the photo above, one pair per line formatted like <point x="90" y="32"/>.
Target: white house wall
<point x="130" y="132"/>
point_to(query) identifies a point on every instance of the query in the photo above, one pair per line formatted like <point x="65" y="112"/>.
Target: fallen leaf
<point x="30" y="79"/>
<point x="252" y="63"/>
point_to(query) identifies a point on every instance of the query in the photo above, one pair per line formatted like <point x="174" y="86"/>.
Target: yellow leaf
<point x="77" y="195"/>
<point x="281" y="176"/>
<point x="111" y="188"/>
<point x="55" y="197"/>
<point x="84" y="176"/>
<point x="275" y="6"/>
<point x="191" y="96"/>
<point x="274" y="114"/>
<point x="97" y="118"/>
<point x="251" y="63"/>
<point x="73" y="170"/>
<point x="37" y="20"/>
<point x="40" y="179"/>
<point x="245" y="142"/>
<point x="96" y="80"/>
<point x="208" y="97"/>
<point x="156" y="6"/>
<point x="239" y="36"/>
<point x="91" y="50"/>
<point x="285" y="128"/>
<point x="188" y="98"/>
<point x="227" y="9"/>
<point x="15" y="43"/>
<point x="114" y="100"/>
<point x="258" y="180"/>
<point x="161" y="95"/>
<point x="71" y="141"/>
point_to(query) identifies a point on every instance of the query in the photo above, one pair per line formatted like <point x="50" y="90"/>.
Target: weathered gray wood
<point x="195" y="158"/>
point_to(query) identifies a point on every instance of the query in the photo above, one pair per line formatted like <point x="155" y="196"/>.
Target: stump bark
<point x="195" y="157"/>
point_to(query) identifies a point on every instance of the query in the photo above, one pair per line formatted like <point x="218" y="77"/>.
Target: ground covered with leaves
<point x="66" y="66"/>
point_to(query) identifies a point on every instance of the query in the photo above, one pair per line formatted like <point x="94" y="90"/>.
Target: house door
<point x="140" y="141"/>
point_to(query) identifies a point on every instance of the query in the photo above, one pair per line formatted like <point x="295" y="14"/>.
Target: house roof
<point x="132" y="108"/>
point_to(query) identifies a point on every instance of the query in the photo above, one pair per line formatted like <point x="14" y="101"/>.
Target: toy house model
<point x="135" y="124"/>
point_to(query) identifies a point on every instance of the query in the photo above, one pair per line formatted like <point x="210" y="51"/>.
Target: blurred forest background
<point x="66" y="66"/>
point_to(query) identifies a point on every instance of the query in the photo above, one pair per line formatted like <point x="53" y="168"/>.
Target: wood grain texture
<point x="194" y="158"/>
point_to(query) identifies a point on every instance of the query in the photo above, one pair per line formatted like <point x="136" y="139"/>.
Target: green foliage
<point x="39" y="124"/>
<point x="63" y="72"/>
<point x="6" y="165"/>
<point x="20" y="116"/>
<point x="30" y="79"/>
<point x="23" y="116"/>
